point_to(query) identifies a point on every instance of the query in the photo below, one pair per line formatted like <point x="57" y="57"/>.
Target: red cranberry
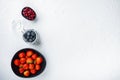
<point x="28" y="13"/>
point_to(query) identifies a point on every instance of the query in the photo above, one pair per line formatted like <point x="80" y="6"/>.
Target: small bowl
<point x="36" y="36"/>
<point x="16" y="69"/>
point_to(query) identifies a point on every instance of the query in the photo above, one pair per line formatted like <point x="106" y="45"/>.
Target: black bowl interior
<point x="16" y="69"/>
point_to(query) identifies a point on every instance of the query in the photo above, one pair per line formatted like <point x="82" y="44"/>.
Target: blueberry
<point x="25" y="36"/>
<point x="32" y="33"/>
<point x="30" y="40"/>
<point x="28" y="33"/>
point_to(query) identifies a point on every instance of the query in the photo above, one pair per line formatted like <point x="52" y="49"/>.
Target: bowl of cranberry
<point x="28" y="13"/>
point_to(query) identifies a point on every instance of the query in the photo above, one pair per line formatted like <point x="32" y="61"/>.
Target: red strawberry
<point x="29" y="61"/>
<point x="37" y="67"/>
<point x="21" y="70"/>
<point x="26" y="73"/>
<point x="17" y="62"/>
<point x="25" y="66"/>
<point x="29" y="53"/>
<point x="21" y="55"/>
<point x="31" y="66"/>
<point x="22" y="60"/>
<point x="34" y="56"/>
<point x="39" y="60"/>
<point x="33" y="71"/>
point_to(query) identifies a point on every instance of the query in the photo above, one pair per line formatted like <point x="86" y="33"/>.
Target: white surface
<point x="79" y="38"/>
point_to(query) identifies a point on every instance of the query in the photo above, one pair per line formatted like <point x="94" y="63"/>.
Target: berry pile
<point x="28" y="13"/>
<point x="29" y="36"/>
<point x="28" y="63"/>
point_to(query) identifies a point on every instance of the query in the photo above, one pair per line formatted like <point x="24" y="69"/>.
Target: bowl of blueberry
<point x="30" y="36"/>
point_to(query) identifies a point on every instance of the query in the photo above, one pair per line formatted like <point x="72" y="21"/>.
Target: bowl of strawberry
<point x="28" y="63"/>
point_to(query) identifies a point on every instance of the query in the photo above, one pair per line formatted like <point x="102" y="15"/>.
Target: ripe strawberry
<point x="21" y="55"/>
<point x="29" y="53"/>
<point x="22" y="60"/>
<point x="17" y="62"/>
<point x="25" y="66"/>
<point x="29" y="61"/>
<point x="34" y="56"/>
<point x="33" y="71"/>
<point x="31" y="66"/>
<point x="39" y="60"/>
<point x="37" y="67"/>
<point x="26" y="73"/>
<point x="28" y="13"/>
<point x="21" y="70"/>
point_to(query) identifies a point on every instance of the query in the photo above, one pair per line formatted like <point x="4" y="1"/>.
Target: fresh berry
<point x="17" y="62"/>
<point x="29" y="53"/>
<point x="33" y="71"/>
<point x="21" y="70"/>
<point x="39" y="60"/>
<point x="25" y="66"/>
<point x="37" y="67"/>
<point x="21" y="55"/>
<point x="31" y="66"/>
<point x="22" y="60"/>
<point x="34" y="56"/>
<point x="29" y="61"/>
<point x="28" y="13"/>
<point x="26" y="73"/>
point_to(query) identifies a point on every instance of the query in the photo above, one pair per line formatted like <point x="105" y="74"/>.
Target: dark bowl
<point x="16" y="69"/>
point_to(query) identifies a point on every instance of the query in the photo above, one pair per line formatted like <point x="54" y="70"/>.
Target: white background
<point x="80" y="39"/>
